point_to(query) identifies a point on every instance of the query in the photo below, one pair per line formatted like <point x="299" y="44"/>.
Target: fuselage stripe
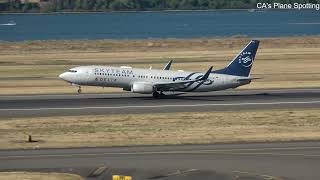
<point x="197" y="86"/>
<point x="187" y="79"/>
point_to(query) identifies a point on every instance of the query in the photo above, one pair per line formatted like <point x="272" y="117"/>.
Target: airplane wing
<point x="168" y="65"/>
<point x="180" y="84"/>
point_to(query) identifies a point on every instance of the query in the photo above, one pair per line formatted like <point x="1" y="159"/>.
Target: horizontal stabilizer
<point x="248" y="79"/>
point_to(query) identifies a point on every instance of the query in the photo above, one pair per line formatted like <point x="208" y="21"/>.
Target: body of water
<point x="143" y="25"/>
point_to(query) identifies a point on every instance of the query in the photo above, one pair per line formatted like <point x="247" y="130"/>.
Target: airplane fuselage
<point x="155" y="82"/>
<point x="125" y="77"/>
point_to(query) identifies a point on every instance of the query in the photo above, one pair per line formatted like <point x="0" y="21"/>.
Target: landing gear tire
<point x="156" y="95"/>
<point x="79" y="90"/>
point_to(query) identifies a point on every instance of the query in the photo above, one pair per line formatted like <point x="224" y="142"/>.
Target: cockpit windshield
<point x="73" y="71"/>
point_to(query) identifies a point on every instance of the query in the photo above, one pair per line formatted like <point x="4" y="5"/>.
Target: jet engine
<point x="142" y="87"/>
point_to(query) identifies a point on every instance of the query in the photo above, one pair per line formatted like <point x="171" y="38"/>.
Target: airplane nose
<point x="62" y="76"/>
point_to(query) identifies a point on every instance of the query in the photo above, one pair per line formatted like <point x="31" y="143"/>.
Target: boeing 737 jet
<point x="156" y="82"/>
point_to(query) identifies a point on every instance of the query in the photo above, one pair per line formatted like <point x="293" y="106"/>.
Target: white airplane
<point x="155" y="82"/>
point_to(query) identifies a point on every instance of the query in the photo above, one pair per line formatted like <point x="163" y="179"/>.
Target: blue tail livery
<point x="242" y="63"/>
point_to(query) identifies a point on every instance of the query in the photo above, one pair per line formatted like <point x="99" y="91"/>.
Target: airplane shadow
<point x="184" y="96"/>
<point x="212" y="97"/>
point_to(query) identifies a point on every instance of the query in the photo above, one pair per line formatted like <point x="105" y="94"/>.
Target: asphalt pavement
<point x="124" y="103"/>
<point x="256" y="161"/>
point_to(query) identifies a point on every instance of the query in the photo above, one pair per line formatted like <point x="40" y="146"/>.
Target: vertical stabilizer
<point x="242" y="63"/>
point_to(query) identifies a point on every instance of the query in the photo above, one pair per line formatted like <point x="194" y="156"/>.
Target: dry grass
<point x="281" y="62"/>
<point x="151" y="129"/>
<point x="38" y="176"/>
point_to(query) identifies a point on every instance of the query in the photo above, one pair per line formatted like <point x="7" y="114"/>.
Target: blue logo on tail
<point x="242" y="63"/>
<point x="245" y="59"/>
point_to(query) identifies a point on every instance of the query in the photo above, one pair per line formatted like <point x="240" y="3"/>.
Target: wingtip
<point x="206" y="75"/>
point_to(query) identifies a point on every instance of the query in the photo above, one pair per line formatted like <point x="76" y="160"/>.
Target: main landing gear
<point x="158" y="95"/>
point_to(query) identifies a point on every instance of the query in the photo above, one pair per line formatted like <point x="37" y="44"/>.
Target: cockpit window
<point x="73" y="71"/>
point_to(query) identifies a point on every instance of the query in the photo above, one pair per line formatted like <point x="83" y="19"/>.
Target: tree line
<point x="131" y="5"/>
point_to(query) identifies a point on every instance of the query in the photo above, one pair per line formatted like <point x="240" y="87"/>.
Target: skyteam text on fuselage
<point x="156" y="82"/>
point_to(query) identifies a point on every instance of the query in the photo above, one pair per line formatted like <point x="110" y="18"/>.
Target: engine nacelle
<point x="142" y="87"/>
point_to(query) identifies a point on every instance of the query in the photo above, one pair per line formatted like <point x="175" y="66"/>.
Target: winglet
<point x="206" y="75"/>
<point x="168" y="65"/>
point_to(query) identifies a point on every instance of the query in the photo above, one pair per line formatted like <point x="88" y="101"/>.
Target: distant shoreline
<point x="149" y="11"/>
<point x="163" y="39"/>
<point x="155" y="41"/>
<point x="134" y="11"/>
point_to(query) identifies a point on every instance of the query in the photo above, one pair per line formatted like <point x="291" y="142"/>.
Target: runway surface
<point x="257" y="161"/>
<point x="96" y="104"/>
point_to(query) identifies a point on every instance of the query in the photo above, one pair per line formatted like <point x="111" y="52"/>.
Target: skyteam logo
<point x="246" y="59"/>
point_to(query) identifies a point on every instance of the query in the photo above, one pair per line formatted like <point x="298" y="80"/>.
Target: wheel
<point x="156" y="94"/>
<point x="79" y="90"/>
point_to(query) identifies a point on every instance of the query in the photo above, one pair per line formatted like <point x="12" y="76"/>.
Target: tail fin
<point x="242" y="63"/>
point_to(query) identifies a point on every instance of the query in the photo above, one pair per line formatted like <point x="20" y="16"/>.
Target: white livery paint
<point x="152" y="81"/>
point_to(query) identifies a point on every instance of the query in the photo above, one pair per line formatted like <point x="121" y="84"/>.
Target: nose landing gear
<point x="79" y="90"/>
<point x="76" y="85"/>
